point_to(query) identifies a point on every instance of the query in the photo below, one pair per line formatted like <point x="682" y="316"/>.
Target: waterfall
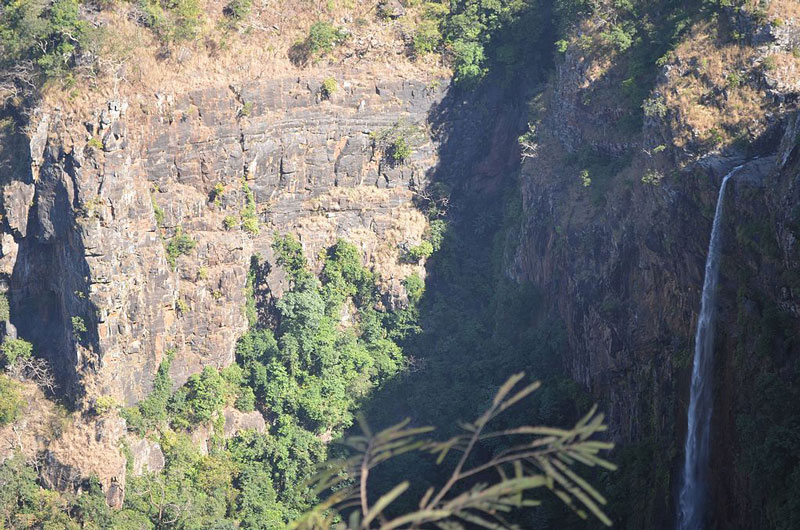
<point x="693" y="493"/>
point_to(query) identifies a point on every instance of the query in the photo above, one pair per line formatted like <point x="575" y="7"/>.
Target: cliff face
<point x="130" y="230"/>
<point x="90" y="224"/>
<point x="616" y="230"/>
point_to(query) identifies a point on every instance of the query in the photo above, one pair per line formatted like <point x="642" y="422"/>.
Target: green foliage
<point x="95" y="143"/>
<point x="289" y="255"/>
<point x="158" y="212"/>
<point x="104" y="405"/>
<point x="193" y="492"/>
<point x="217" y="192"/>
<point x="344" y="277"/>
<point x="652" y="177"/>
<point x="257" y="504"/>
<point x="427" y="37"/>
<point x="247" y="109"/>
<point x="586" y="180"/>
<point x="642" y="35"/>
<point x="78" y="325"/>
<point x="400" y="150"/>
<point x="322" y="37"/>
<point x="329" y="87"/>
<point x="569" y="11"/>
<point x="734" y="80"/>
<point x="397" y="141"/>
<point x="5" y="308"/>
<point x="179" y="245"/>
<point x="237" y="10"/>
<point x="91" y="508"/>
<point x="468" y="58"/>
<point x="172" y="20"/>
<point x="619" y="36"/>
<point x="152" y="411"/>
<point x="11" y="401"/>
<point x="307" y="376"/>
<point x="540" y="457"/>
<point x="250" y="225"/>
<point x="655" y="107"/>
<point x="47" y="36"/>
<point x="416" y="253"/>
<point x="436" y="233"/>
<point x="181" y="305"/>
<point x="248" y="213"/>
<point x="236" y="388"/>
<point x="19" y="492"/>
<point x="204" y="395"/>
<point x="311" y="372"/>
<point x="23" y="504"/>
<point x="415" y="287"/>
<point x="13" y="349"/>
<point x="479" y="31"/>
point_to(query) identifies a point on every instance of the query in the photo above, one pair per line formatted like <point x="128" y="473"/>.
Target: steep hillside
<point x="618" y="199"/>
<point x="229" y="228"/>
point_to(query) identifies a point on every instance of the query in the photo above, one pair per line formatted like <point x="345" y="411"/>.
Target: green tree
<point x="18" y="488"/>
<point x="322" y="37"/>
<point x="180" y="244"/>
<point x="41" y="39"/>
<point x="13" y="349"/>
<point x="206" y="394"/>
<point x="11" y="401"/>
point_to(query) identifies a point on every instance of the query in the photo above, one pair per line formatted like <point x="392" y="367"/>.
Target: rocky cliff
<point x="130" y="223"/>
<point x="95" y="218"/>
<point x="616" y="229"/>
<point x="90" y="224"/>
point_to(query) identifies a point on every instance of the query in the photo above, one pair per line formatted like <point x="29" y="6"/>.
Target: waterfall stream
<point x="691" y="514"/>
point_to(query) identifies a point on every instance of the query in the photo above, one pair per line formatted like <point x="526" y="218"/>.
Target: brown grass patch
<point x="136" y="63"/>
<point x="784" y="9"/>
<point x="709" y="92"/>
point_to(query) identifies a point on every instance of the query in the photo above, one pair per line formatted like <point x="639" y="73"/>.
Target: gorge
<point x="230" y="230"/>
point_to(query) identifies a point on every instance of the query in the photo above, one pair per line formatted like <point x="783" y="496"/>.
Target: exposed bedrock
<point x="90" y="216"/>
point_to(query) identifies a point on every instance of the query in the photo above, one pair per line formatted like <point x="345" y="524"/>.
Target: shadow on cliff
<point x="49" y="285"/>
<point x="477" y="326"/>
<point x="469" y="191"/>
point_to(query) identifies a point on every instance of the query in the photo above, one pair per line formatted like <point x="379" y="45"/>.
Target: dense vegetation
<point x="40" y="40"/>
<point x="307" y="374"/>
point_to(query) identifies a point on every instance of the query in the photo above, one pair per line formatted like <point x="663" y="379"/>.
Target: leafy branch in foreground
<point x="479" y="493"/>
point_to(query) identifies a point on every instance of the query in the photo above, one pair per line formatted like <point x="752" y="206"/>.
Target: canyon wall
<point x="129" y="232"/>
<point x="90" y="223"/>
<point x="619" y="250"/>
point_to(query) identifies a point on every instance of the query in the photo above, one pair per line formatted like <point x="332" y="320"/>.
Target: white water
<point x="691" y="515"/>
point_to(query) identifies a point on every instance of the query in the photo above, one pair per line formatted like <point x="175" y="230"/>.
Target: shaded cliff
<point x="615" y="232"/>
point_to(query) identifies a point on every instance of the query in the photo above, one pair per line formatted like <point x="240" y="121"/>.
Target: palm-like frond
<point x="539" y="457"/>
